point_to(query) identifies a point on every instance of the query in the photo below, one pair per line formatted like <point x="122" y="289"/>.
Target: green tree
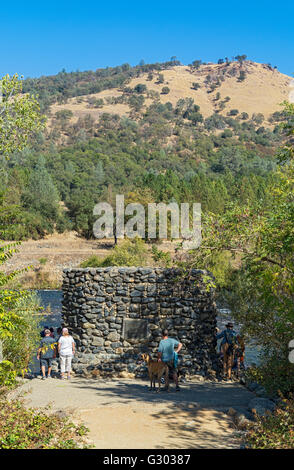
<point x="196" y="64"/>
<point x="41" y="195"/>
<point x="165" y="90"/>
<point x="260" y="236"/>
<point x="19" y="116"/>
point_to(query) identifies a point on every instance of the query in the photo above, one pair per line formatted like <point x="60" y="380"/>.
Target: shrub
<point x="275" y="431"/>
<point x="233" y="112"/>
<point x="242" y="76"/>
<point x="21" y="345"/>
<point x="161" y="258"/>
<point x="22" y="428"/>
<point x="131" y="252"/>
<point x="64" y="115"/>
<point x="140" y="88"/>
<point x="165" y="90"/>
<point x="275" y="374"/>
<point x="160" y="78"/>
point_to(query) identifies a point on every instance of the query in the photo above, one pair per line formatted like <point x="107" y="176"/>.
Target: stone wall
<point x="115" y="313"/>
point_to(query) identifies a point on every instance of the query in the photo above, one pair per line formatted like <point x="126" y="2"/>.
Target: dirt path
<point x="124" y="414"/>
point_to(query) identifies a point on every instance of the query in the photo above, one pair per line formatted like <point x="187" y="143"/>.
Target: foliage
<point x="7" y="375"/>
<point x="59" y="88"/>
<point x="9" y="319"/>
<point x="12" y="322"/>
<point x="260" y="236"/>
<point x="19" y="116"/>
<point x="161" y="257"/>
<point x="275" y="374"/>
<point x="19" y="348"/>
<point x="275" y="431"/>
<point x="165" y="90"/>
<point x="22" y="428"/>
<point x="55" y="186"/>
<point x="131" y="252"/>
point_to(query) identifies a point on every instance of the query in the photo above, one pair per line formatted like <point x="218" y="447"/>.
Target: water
<point x="52" y="299"/>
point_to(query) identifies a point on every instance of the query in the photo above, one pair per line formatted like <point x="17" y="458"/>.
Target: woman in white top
<point x="66" y="349"/>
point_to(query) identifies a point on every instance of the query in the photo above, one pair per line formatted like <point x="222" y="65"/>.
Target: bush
<point x="140" y="88"/>
<point x="129" y="253"/>
<point x="22" y="428"/>
<point x="165" y="90"/>
<point x="162" y="258"/>
<point x="275" y="374"/>
<point x="233" y="112"/>
<point x="19" y="348"/>
<point x="275" y="431"/>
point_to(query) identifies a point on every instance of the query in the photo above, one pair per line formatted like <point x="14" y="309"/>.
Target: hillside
<point x="155" y="133"/>
<point x="261" y="91"/>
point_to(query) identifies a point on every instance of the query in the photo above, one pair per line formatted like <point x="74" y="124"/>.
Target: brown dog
<point x="155" y="370"/>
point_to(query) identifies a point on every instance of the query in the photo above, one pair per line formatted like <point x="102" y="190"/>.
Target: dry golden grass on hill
<point x="262" y="91"/>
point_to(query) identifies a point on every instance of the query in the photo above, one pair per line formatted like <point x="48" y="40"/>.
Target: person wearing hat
<point x="227" y="347"/>
<point x="46" y="353"/>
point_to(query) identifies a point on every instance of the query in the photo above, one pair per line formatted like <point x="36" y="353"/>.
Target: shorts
<point x="46" y="361"/>
<point x="171" y="367"/>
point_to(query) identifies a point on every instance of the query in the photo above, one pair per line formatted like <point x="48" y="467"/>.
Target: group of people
<point x="232" y="348"/>
<point x="63" y="347"/>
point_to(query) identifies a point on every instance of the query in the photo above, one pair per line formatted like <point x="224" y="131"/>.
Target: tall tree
<point x="261" y="237"/>
<point x="19" y="116"/>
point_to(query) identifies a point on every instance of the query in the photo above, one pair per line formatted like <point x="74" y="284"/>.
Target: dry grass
<point x="50" y="255"/>
<point x="261" y="92"/>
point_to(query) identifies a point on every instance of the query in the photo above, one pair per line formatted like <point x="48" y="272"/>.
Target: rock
<point x="260" y="391"/>
<point x="242" y="422"/>
<point x="190" y="425"/>
<point x="113" y="336"/>
<point x="87" y="325"/>
<point x="252" y="386"/>
<point x="197" y="378"/>
<point x="261" y="406"/>
<point x="98" y="341"/>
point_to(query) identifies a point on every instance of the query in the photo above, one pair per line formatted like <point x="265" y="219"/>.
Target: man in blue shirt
<point x="166" y="352"/>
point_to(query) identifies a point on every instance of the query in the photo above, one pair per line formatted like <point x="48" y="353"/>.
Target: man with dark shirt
<point x="46" y="353"/>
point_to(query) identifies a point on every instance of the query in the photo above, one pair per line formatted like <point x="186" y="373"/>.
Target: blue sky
<point x="39" y="38"/>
